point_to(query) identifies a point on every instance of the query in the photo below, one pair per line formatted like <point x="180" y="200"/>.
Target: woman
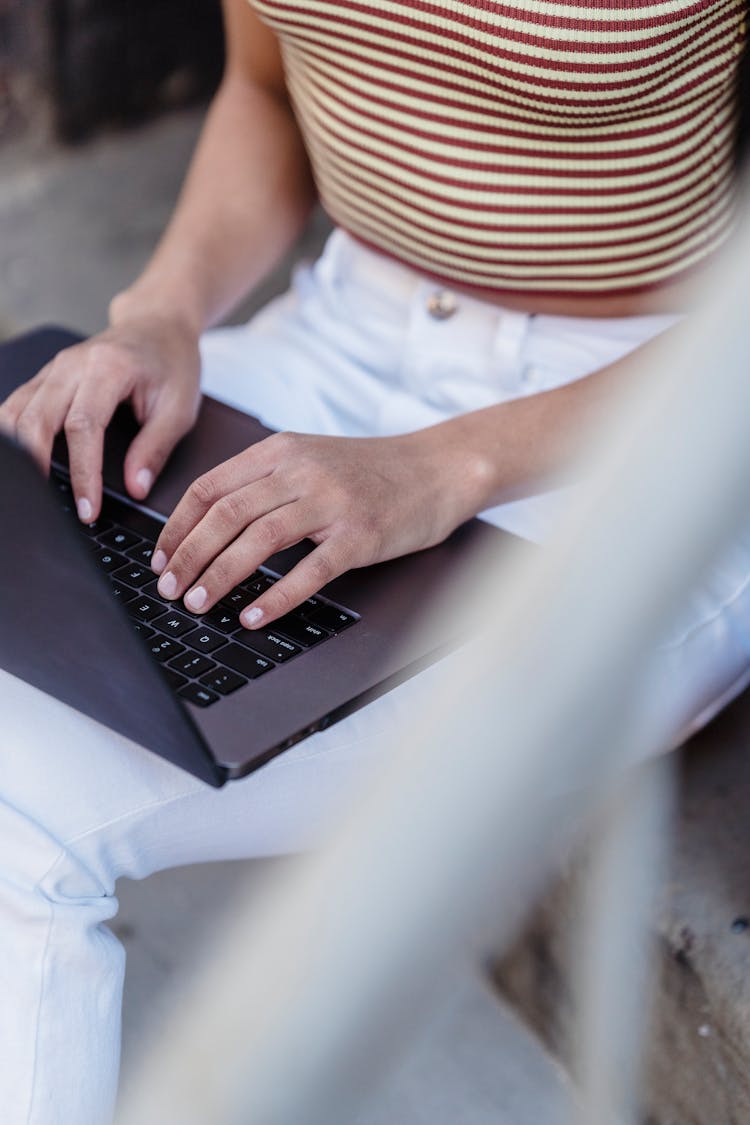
<point x="523" y="194"/>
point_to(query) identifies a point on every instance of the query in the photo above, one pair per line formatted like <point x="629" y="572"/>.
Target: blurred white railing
<point x="305" y="1000"/>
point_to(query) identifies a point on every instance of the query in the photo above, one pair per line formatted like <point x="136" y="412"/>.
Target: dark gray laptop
<point x="80" y="617"/>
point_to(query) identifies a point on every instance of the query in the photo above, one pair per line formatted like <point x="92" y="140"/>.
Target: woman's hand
<point x="361" y="500"/>
<point x="151" y="360"/>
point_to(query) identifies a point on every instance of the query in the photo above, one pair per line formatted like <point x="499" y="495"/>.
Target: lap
<point x="122" y="810"/>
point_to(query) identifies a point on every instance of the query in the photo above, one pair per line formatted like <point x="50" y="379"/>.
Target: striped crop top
<point x="543" y="146"/>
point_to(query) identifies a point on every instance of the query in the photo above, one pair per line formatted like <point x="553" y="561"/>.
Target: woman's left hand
<point x="361" y="500"/>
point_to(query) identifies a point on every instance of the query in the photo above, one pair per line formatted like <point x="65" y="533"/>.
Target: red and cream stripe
<point x="534" y="146"/>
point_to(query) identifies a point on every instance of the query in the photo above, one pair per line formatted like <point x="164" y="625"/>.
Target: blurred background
<point x="100" y="105"/>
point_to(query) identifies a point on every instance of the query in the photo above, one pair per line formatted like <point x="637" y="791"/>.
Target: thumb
<point x="154" y="442"/>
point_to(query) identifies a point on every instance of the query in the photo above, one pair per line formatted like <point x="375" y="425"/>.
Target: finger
<point x="43" y="416"/>
<point x="89" y="415"/>
<point x="224" y="522"/>
<point x="274" y="532"/>
<point x="304" y="580"/>
<point x="247" y="467"/>
<point x="16" y="402"/>
<point x="167" y="422"/>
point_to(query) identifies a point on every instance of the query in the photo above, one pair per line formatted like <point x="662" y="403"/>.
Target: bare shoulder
<point x="253" y="51"/>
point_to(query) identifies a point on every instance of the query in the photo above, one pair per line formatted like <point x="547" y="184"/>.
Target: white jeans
<point x="351" y="349"/>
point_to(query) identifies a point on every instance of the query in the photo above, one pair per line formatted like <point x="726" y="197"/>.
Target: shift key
<point x="269" y="644"/>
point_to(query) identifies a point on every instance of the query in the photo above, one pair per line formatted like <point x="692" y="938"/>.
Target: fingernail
<point x="250" y="617"/>
<point x="144" y="478"/>
<point x="167" y="585"/>
<point x="158" y="561"/>
<point x="85" y="511"/>
<point x="197" y="598"/>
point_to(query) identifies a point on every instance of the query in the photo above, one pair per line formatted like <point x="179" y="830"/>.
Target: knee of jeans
<point x="31" y="857"/>
<point x="705" y="659"/>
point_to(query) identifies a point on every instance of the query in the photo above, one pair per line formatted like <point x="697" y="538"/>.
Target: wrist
<point x="143" y="301"/>
<point x="464" y="473"/>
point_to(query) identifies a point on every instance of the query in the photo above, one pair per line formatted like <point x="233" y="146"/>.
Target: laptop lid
<point x="61" y="630"/>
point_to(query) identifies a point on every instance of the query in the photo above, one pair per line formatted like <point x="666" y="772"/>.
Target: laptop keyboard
<point x="204" y="657"/>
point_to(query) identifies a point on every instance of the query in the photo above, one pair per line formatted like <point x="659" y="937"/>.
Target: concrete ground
<point x="78" y="224"/>
<point x="698" y="1050"/>
<point x="75" y="227"/>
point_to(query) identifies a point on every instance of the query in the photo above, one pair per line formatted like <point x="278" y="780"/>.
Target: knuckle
<point x="230" y="509"/>
<point x="185" y="558"/>
<point x="61" y="364"/>
<point x="285" y="441"/>
<point x="104" y="356"/>
<point x="322" y="568"/>
<point x="272" y="532"/>
<point x="339" y="495"/>
<point x="79" y="422"/>
<point x="203" y="491"/>
<point x="367" y="533"/>
<point x="220" y="576"/>
<point x="30" y="420"/>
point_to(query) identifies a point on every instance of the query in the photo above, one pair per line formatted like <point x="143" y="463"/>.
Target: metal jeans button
<point x="441" y="304"/>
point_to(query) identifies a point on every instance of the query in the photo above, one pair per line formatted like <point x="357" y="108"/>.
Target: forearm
<point x="522" y="446"/>
<point x="247" y="195"/>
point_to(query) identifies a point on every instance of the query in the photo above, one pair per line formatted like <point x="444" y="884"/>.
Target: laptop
<point x="82" y="620"/>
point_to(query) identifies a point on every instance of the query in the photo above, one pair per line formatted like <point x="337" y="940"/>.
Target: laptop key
<point x="175" y="624"/>
<point x="98" y="527"/>
<point x="110" y="560"/>
<point x="60" y="483"/>
<point x="225" y="620"/>
<point x="304" y="633"/>
<point x="268" y="644"/>
<point x="141" y="553"/>
<point x="165" y="648"/>
<point x="174" y="680"/>
<point x="134" y="575"/>
<point x="200" y="696"/>
<point x="122" y="592"/>
<point x="238" y="599"/>
<point x="144" y="609"/>
<point x="151" y="590"/>
<point x="204" y="640"/>
<point x="259" y="585"/>
<point x="118" y="539"/>
<point x="192" y="664"/>
<point x="330" y="618"/>
<point x="242" y="660"/>
<point x="223" y="681"/>
<point x="143" y="630"/>
<point x="251" y="578"/>
<point x="308" y="607"/>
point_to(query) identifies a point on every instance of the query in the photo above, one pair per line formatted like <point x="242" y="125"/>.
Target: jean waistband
<point x="345" y="260"/>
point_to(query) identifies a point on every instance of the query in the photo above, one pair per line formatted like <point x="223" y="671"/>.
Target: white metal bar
<point x="612" y="948"/>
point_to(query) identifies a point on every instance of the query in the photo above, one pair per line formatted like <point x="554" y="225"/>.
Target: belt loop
<point x="507" y="348"/>
<point x="331" y="264"/>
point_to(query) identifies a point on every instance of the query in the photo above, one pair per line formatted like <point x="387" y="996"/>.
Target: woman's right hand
<point x="151" y="360"/>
